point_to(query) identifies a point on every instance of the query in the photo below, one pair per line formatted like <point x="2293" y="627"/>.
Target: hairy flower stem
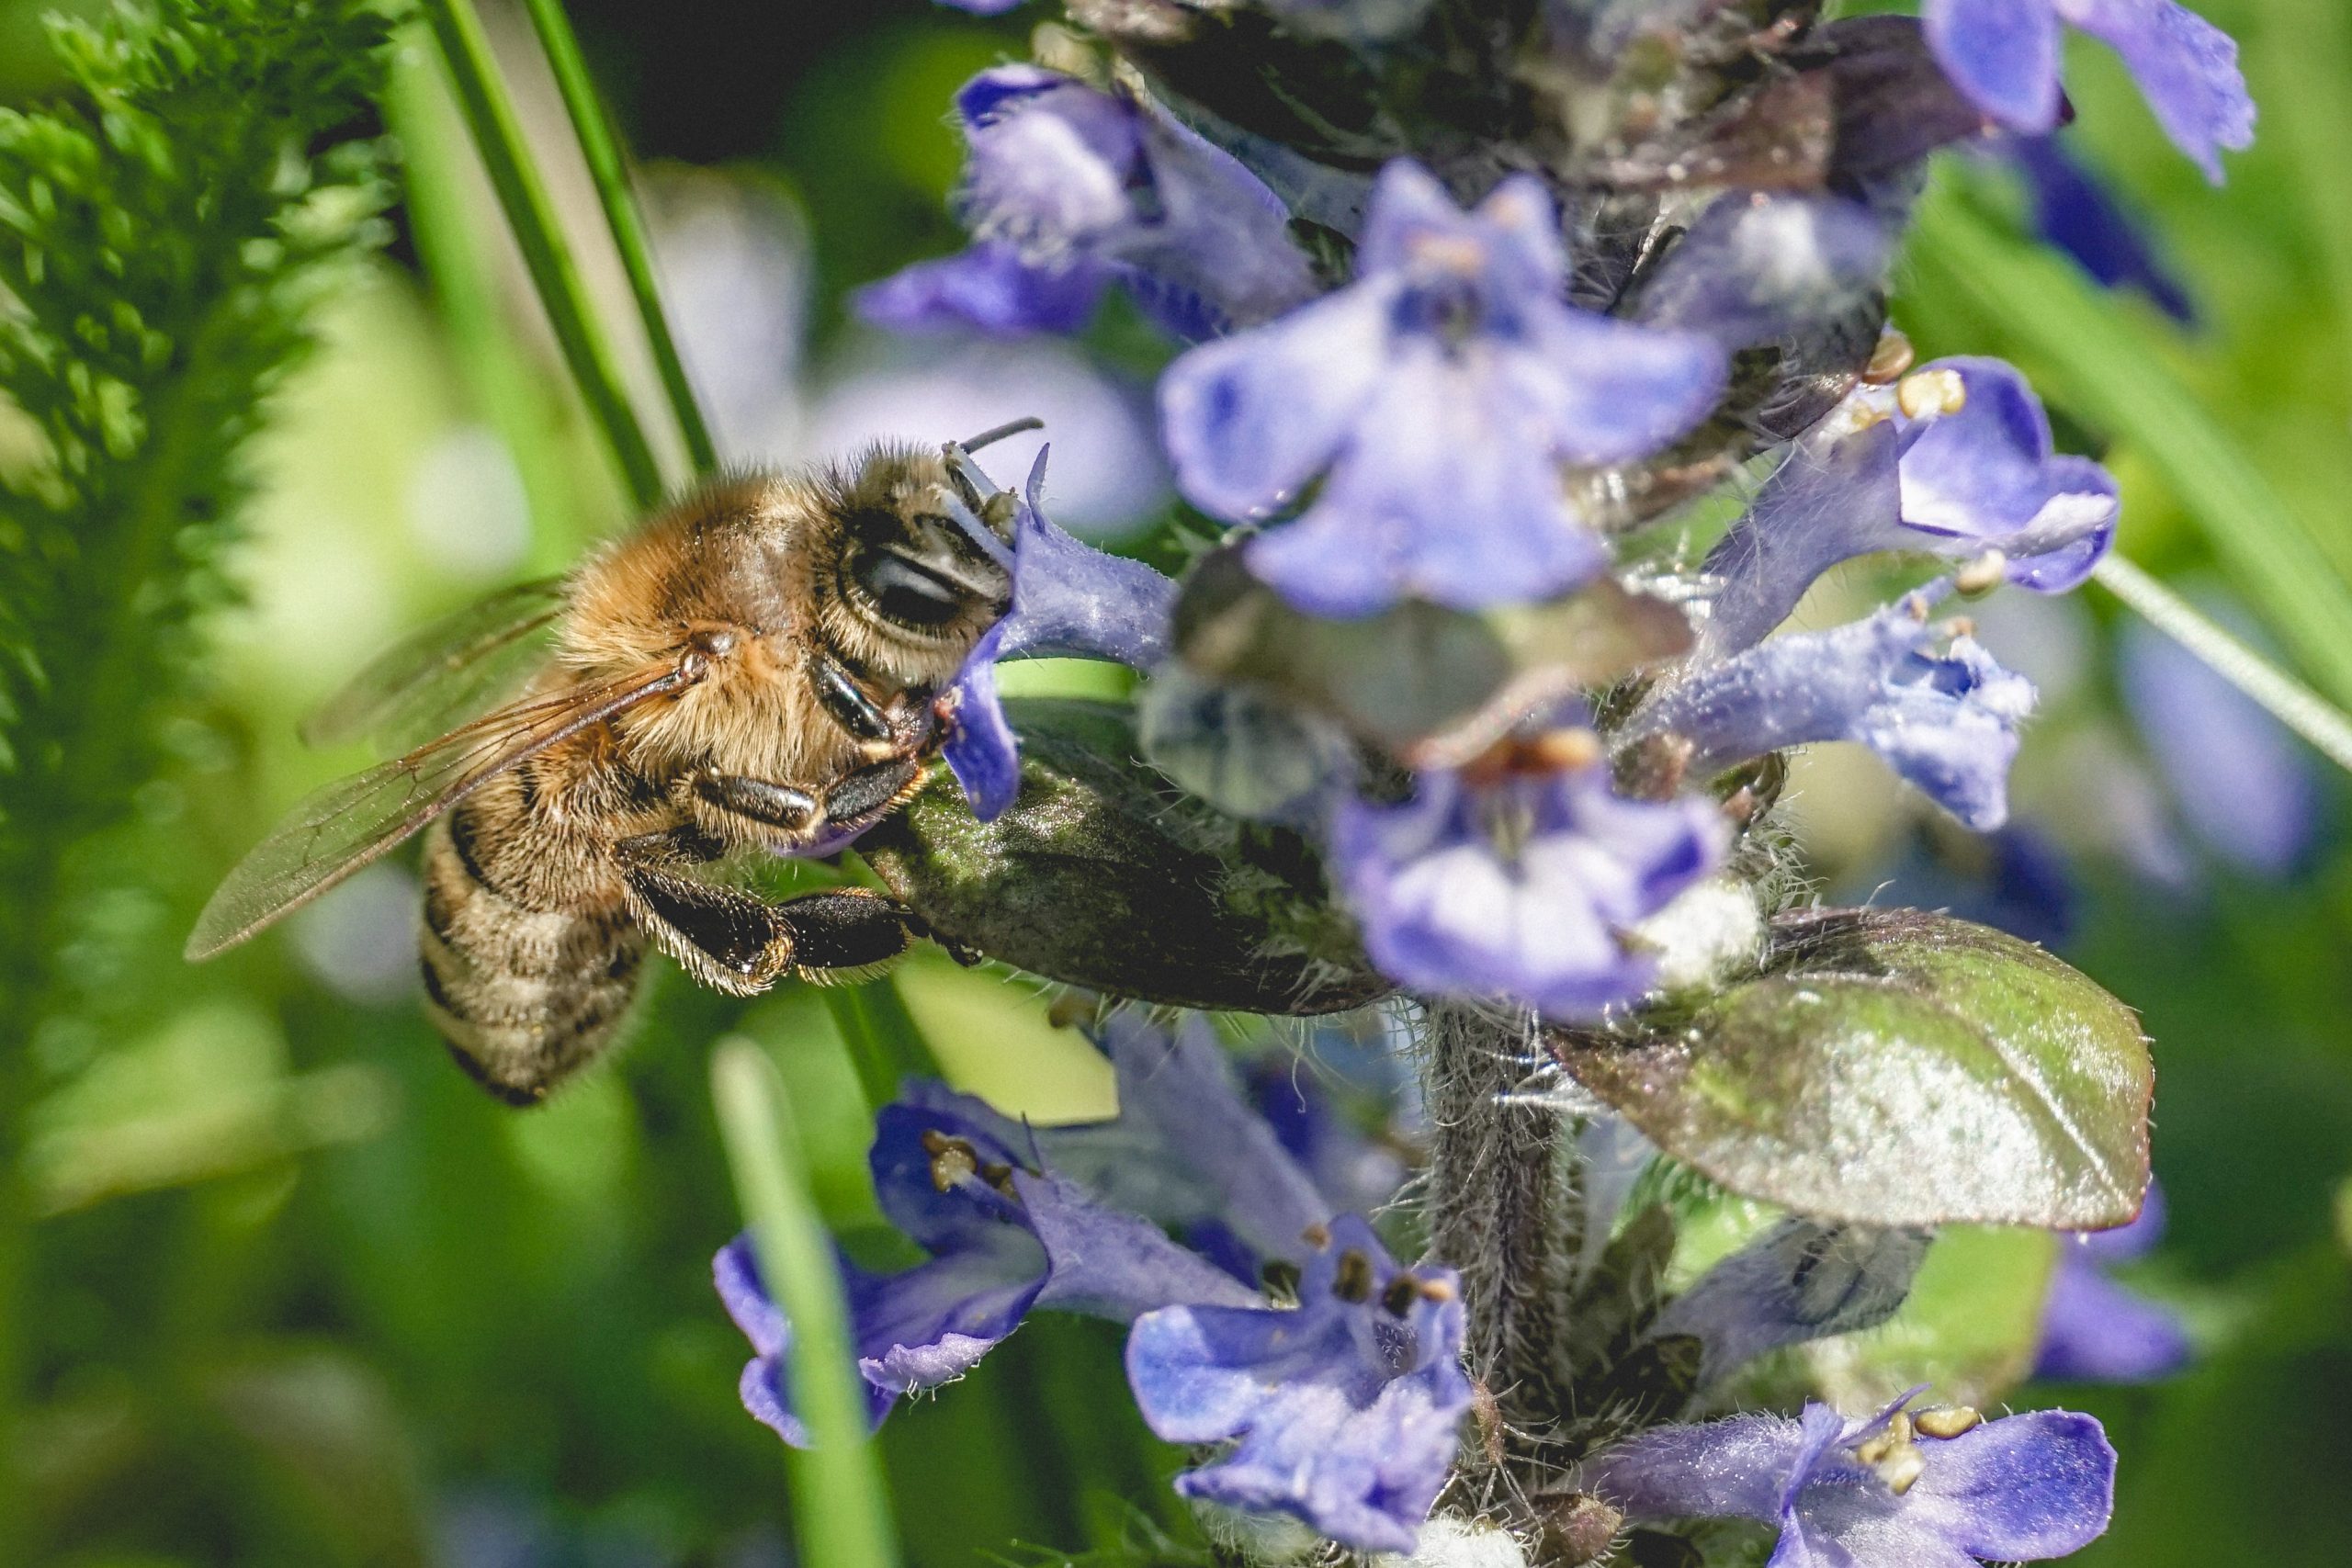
<point x="1494" y="1206"/>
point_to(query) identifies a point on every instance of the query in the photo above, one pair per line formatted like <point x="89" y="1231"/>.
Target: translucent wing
<point x="459" y="665"/>
<point x="345" y="826"/>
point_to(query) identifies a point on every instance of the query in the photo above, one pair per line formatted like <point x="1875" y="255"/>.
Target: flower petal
<point x="1249" y="420"/>
<point x="1825" y="504"/>
<point x="986" y="288"/>
<point x="2094" y="1330"/>
<point x="1346" y="1407"/>
<point x="1759" y="266"/>
<point x="2003" y="54"/>
<point x="2187" y="68"/>
<point x="2020" y="1489"/>
<point x="1803" y="1280"/>
<point x="1946" y="723"/>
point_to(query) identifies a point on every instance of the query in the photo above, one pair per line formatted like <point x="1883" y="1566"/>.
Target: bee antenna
<point x="989" y="437"/>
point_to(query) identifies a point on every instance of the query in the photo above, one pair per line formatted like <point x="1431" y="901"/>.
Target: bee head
<point x="909" y="569"/>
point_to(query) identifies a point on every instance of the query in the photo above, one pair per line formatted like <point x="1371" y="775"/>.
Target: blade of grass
<point x="555" y="272"/>
<point x="2286" y="699"/>
<point x="885" y="1043"/>
<point x="2091" y="359"/>
<point x="602" y="148"/>
<point x="839" y="1510"/>
<point x="523" y="408"/>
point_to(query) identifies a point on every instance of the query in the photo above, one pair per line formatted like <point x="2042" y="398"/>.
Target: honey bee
<point x="752" y="668"/>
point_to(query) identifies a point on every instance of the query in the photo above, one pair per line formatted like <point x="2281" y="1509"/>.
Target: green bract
<point x="1896" y="1067"/>
<point x="1105" y="875"/>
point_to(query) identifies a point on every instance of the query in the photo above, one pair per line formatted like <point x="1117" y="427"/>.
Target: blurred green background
<point x="303" y="1295"/>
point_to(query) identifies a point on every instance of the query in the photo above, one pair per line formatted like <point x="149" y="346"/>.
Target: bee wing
<point x="343" y="827"/>
<point x="460" y="664"/>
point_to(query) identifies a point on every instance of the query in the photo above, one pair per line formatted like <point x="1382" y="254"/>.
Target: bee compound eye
<point x="910" y="592"/>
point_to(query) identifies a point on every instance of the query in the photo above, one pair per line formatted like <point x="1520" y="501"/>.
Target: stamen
<point x="1281" y="1277"/>
<point x="953" y="1160"/>
<point x="1354" y="1281"/>
<point x="1398" y="1298"/>
<point x="1892" y="356"/>
<point x="1949" y="1422"/>
<point x="1932" y="392"/>
<point x="1983" y="575"/>
<point x="1317" y="1236"/>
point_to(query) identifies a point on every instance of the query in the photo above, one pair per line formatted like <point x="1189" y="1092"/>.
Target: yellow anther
<point x="1892" y="356"/>
<point x="1927" y="394"/>
<point x="1984" y="574"/>
<point x="1950" y="1422"/>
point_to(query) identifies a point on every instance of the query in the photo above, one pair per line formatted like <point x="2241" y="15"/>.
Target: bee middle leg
<point x="734" y="942"/>
<point x="727" y="939"/>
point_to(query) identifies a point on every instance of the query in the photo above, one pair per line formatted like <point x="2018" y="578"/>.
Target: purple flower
<point x="2004" y="55"/>
<point x="1436" y="398"/>
<point x="1003" y="1238"/>
<point x="981" y="8"/>
<point x="1521" y="882"/>
<point x="1187" y="1151"/>
<point x="1342" y="1410"/>
<point x="2093" y="1330"/>
<point x="1801" y="1281"/>
<point x="2243" y="782"/>
<point x="1973" y="471"/>
<point x="1759" y="266"/>
<point x="2073" y="210"/>
<point x="1068" y="599"/>
<point x="1069" y="186"/>
<point x="1875" y="1495"/>
<point x="986" y="288"/>
<point x="1945" y="722"/>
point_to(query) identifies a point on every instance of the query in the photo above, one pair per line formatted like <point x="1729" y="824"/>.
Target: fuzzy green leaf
<point x="1896" y="1067"/>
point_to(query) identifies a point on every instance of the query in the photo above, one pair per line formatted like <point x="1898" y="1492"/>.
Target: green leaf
<point x="1894" y="1067"/>
<point x="2087" y="357"/>
<point x="1105" y="874"/>
<point x="1431" y="684"/>
<point x="840" y="1508"/>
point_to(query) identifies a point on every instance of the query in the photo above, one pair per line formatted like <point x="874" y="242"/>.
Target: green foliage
<point x="1102" y="875"/>
<point x="1896" y="1067"/>
<point x="165" y="230"/>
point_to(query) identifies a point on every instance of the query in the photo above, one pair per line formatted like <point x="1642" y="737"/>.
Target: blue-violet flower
<point x="2004" y="55"/>
<point x="2094" y="1330"/>
<point x="1945" y="722"/>
<point x="1068" y="599"/>
<point x="1343" y="1410"/>
<point x="1871" y="1495"/>
<point x="1002" y="1239"/>
<point x="1516" y="878"/>
<point x="1960" y="461"/>
<point x="1436" y="398"/>
<point x="1074" y="185"/>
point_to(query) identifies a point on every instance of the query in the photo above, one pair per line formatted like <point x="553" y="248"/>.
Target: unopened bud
<point x="1577" y="1529"/>
<point x="1927" y="393"/>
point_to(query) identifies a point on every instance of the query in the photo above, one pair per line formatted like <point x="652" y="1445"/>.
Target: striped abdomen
<point x="527" y="970"/>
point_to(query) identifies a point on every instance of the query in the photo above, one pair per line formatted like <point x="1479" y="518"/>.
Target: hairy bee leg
<point x="848" y="928"/>
<point x="858" y="714"/>
<point x="763" y="800"/>
<point x="871" y="789"/>
<point x="728" y="940"/>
